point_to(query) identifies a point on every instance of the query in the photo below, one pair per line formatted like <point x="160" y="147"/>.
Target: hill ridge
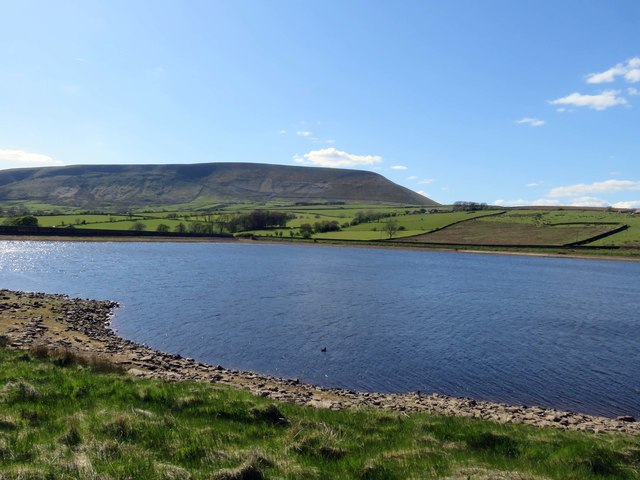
<point x="102" y="185"/>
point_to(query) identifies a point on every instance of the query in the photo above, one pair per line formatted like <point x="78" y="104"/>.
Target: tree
<point x="200" y="228"/>
<point x="162" y="228"/>
<point x="138" y="226"/>
<point x="180" y="228"/>
<point x="27" y="221"/>
<point x="326" y="226"/>
<point x="391" y="227"/>
<point x="306" y="230"/>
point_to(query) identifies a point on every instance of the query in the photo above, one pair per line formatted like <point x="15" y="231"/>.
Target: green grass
<point x="503" y="228"/>
<point x="414" y="224"/>
<point x="487" y="232"/>
<point x="74" y="422"/>
<point x="76" y="220"/>
<point x="151" y="225"/>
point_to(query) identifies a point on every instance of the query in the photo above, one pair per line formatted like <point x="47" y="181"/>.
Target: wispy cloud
<point x="304" y="133"/>
<point x="607" y="76"/>
<point x="588" y="202"/>
<point x="21" y="158"/>
<point x="630" y="70"/>
<point x="532" y="122"/>
<point x="541" y="202"/>
<point x="412" y="177"/>
<point x="427" y="181"/>
<point x="423" y="193"/>
<point x="633" y="76"/>
<point x="633" y="91"/>
<point x="282" y="132"/>
<point x="535" y="184"/>
<point x="398" y="167"/>
<point x="330" y="157"/>
<point x="602" y="101"/>
<point x="627" y="204"/>
<point x="595" y="188"/>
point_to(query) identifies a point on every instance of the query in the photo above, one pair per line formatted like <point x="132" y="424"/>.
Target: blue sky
<point x="497" y="101"/>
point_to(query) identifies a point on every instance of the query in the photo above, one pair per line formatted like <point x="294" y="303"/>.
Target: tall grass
<point x="64" y="417"/>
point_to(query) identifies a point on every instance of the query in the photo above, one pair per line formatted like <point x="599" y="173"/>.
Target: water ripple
<point x="552" y="332"/>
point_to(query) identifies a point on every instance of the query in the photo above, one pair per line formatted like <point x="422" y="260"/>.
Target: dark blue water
<point x="538" y="331"/>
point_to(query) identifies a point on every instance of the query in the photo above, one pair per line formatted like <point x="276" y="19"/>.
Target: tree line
<point x="469" y="206"/>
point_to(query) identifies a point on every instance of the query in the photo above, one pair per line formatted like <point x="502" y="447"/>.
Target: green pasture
<point x="551" y="217"/>
<point x="412" y="224"/>
<point x="62" y="420"/>
<point x="485" y="232"/>
<point x="409" y="221"/>
<point x="629" y="237"/>
<point x="151" y="225"/>
<point x="77" y="220"/>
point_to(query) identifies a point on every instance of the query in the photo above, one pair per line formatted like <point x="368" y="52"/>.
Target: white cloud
<point x="330" y="141"/>
<point x="588" y="202"/>
<point x="423" y="193"/>
<point x="630" y="70"/>
<point x="546" y="202"/>
<point x="627" y="204"/>
<point x="282" y="132"/>
<point x="427" y="181"/>
<point x="304" y="133"/>
<point x="602" y="101"/>
<point x="598" y="188"/>
<point x="398" y="167"/>
<point x="20" y="158"/>
<point x="607" y="76"/>
<point x="633" y="76"/>
<point x="541" y="202"/>
<point x="412" y="177"/>
<point x="332" y="158"/>
<point x="633" y="91"/>
<point x="532" y="122"/>
<point x="535" y="184"/>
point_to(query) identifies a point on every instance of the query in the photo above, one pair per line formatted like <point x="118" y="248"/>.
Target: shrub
<point x="26" y="221"/>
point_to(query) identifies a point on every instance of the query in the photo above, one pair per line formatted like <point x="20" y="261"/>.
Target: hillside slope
<point x="138" y="185"/>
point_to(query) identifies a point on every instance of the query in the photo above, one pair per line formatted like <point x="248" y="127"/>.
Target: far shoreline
<point x="319" y="242"/>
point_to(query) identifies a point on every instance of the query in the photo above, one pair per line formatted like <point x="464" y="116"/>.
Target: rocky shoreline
<point x="29" y="320"/>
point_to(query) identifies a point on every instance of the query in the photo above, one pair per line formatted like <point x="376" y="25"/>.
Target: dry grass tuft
<point x="64" y="357"/>
<point x="487" y="474"/>
<point x="19" y="391"/>
<point x="165" y="471"/>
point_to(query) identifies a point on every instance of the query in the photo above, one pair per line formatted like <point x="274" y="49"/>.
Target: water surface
<point x="523" y="330"/>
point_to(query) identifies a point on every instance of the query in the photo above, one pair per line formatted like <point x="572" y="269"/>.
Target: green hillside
<point x="134" y="186"/>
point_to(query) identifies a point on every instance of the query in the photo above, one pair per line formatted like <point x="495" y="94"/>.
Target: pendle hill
<point x="93" y="186"/>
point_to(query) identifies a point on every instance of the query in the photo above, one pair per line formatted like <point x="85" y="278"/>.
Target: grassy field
<point x="510" y="227"/>
<point x="410" y="224"/>
<point x="77" y="220"/>
<point x="61" y="420"/>
<point x="486" y="232"/>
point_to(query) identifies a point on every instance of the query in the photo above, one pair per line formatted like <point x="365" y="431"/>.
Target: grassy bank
<point x="59" y="419"/>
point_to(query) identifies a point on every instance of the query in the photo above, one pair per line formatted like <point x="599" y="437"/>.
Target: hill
<point x="93" y="186"/>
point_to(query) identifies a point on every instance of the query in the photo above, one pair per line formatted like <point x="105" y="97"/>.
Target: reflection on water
<point x="553" y="332"/>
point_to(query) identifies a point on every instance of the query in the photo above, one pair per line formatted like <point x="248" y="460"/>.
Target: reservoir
<point x="553" y="332"/>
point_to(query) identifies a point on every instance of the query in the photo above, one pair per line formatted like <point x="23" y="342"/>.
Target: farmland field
<point x="481" y="232"/>
<point x="517" y="227"/>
